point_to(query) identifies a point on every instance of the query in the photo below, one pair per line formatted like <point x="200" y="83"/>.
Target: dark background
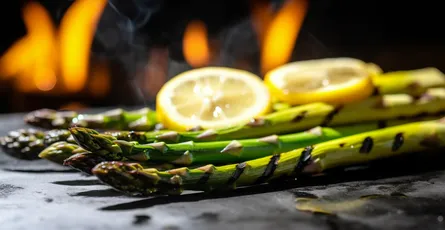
<point x="394" y="34"/>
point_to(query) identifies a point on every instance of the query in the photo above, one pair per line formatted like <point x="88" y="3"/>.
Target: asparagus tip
<point x="58" y="152"/>
<point x="83" y="136"/>
<point x="83" y="162"/>
<point x="127" y="177"/>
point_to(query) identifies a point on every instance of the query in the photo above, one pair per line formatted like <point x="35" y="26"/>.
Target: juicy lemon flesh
<point x="320" y="80"/>
<point x="334" y="81"/>
<point x="212" y="98"/>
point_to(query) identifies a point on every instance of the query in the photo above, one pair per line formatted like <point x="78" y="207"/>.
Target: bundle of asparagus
<point x="401" y="117"/>
<point x="191" y="149"/>
<point x="312" y="159"/>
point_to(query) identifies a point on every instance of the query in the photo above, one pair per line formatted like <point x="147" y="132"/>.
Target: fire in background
<point x="72" y="54"/>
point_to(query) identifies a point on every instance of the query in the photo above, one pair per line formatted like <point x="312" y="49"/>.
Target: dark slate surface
<point x="41" y="195"/>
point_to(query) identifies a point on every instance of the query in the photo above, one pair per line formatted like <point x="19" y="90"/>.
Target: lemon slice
<point x="211" y="98"/>
<point x="330" y="80"/>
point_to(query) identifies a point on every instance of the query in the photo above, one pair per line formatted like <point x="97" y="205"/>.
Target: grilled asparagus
<point x="225" y="152"/>
<point x="360" y="148"/>
<point x="291" y="120"/>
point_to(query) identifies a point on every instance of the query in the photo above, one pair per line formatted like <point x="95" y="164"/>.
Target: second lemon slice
<point x="330" y="80"/>
<point x="211" y="98"/>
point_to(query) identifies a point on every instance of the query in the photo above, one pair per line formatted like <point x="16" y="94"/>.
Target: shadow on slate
<point x="414" y="167"/>
<point x="78" y="182"/>
<point x="99" y="193"/>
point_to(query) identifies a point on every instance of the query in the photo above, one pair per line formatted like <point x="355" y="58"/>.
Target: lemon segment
<point x="211" y="98"/>
<point x="330" y="80"/>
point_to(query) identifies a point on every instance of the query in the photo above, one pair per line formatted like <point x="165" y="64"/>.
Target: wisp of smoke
<point x="122" y="35"/>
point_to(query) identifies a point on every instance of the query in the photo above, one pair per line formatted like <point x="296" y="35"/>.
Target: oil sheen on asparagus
<point x="224" y="152"/>
<point x="359" y="148"/>
<point x="299" y="118"/>
<point x="188" y="153"/>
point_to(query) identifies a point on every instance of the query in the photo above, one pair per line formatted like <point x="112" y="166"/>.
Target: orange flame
<point x="34" y="56"/>
<point x="262" y="15"/>
<point x="33" y="59"/>
<point x="281" y="35"/>
<point x="196" y="45"/>
<point x="76" y="33"/>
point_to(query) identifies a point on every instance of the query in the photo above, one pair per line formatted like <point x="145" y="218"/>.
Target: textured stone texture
<point x="41" y="195"/>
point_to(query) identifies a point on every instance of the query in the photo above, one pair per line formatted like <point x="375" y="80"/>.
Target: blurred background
<point x="92" y="53"/>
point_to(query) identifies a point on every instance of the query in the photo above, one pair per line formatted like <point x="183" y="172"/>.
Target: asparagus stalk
<point x="59" y="151"/>
<point x="28" y="143"/>
<point x="225" y="152"/>
<point x="77" y="158"/>
<point x="414" y="82"/>
<point x="299" y="118"/>
<point x="85" y="162"/>
<point x="119" y="119"/>
<point x="313" y="159"/>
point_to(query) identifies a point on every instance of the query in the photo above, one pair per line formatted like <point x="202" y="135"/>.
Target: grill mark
<point x="331" y="115"/>
<point x="305" y="158"/>
<point x="376" y="91"/>
<point x="382" y="124"/>
<point x="420" y="115"/>
<point x="204" y="178"/>
<point x="300" y="116"/>
<point x="270" y="169"/>
<point x="133" y="136"/>
<point x="238" y="171"/>
<point x="398" y="142"/>
<point x="366" y="145"/>
<point x="402" y="117"/>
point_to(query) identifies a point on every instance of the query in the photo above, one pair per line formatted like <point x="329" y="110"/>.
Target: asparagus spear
<point x="119" y="119"/>
<point x="77" y="158"/>
<point x="28" y="143"/>
<point x="414" y="82"/>
<point x="85" y="162"/>
<point x="233" y="151"/>
<point x="59" y="151"/>
<point x="356" y="149"/>
<point x="400" y="106"/>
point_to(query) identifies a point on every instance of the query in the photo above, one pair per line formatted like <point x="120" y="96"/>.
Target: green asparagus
<point x="356" y="149"/>
<point x="292" y="120"/>
<point x="225" y="152"/>
<point x="59" y="151"/>
<point x="28" y="143"/>
<point x="85" y="162"/>
<point x="118" y="119"/>
<point x="77" y="158"/>
<point x="174" y="153"/>
<point x="413" y="82"/>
